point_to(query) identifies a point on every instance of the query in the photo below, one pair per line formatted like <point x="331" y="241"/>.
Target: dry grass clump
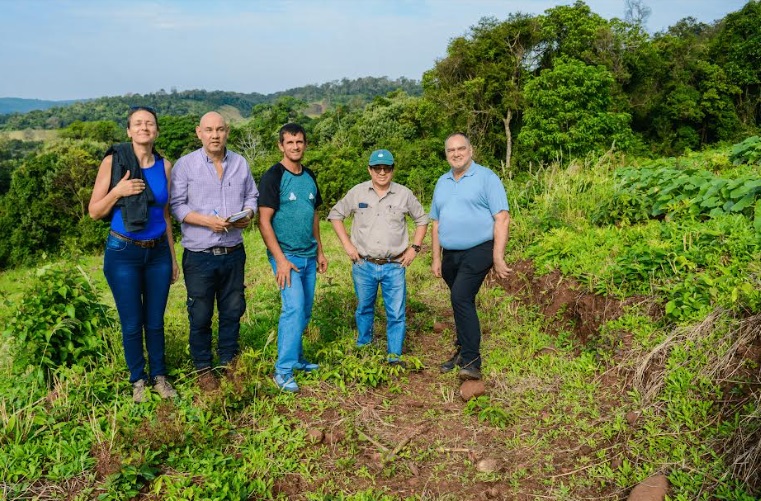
<point x="729" y="351"/>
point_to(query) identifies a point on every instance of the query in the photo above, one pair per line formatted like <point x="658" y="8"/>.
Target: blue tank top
<point x="156" y="225"/>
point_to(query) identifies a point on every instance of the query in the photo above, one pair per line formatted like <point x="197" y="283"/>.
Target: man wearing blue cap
<point x="379" y="247"/>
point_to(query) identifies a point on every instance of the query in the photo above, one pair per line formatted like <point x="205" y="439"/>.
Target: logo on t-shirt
<point x="292" y="196"/>
<point x="311" y="197"/>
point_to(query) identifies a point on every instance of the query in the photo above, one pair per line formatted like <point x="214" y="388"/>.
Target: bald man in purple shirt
<point x="215" y="197"/>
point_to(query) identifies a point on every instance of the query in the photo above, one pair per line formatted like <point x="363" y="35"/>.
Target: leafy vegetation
<point x="624" y="343"/>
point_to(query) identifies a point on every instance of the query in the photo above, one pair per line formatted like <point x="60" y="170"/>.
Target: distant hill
<point x="198" y="102"/>
<point x="20" y="105"/>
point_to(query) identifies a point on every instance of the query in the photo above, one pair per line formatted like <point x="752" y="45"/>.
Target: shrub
<point x="60" y="321"/>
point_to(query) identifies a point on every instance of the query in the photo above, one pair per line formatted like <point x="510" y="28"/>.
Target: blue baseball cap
<point x="381" y="157"/>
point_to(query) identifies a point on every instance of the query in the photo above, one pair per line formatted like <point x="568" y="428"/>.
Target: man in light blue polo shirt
<point x="470" y="230"/>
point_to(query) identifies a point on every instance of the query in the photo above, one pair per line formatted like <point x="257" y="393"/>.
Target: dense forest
<point x="529" y="90"/>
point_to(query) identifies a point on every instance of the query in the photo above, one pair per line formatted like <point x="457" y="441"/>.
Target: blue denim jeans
<point x="295" y="312"/>
<point x="139" y="280"/>
<point x="464" y="271"/>
<point x="391" y="279"/>
<point x="210" y="278"/>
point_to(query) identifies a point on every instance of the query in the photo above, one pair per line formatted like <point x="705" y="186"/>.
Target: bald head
<point x="212" y="131"/>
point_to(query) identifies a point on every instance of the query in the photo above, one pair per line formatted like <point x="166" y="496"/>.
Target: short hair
<point x="135" y="109"/>
<point x="292" y="129"/>
<point x="450" y="136"/>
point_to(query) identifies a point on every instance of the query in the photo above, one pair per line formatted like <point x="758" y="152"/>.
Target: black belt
<point x="385" y="260"/>
<point x="221" y="251"/>
<point x="145" y="244"/>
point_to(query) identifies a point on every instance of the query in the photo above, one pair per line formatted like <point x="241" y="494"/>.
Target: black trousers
<point x="464" y="271"/>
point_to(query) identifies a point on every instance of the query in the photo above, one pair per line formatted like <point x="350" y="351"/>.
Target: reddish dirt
<point x="423" y="424"/>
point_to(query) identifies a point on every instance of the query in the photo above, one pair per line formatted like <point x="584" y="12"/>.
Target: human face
<point x="381" y="175"/>
<point x="459" y="153"/>
<point x="293" y="147"/>
<point x="142" y="128"/>
<point x="213" y="131"/>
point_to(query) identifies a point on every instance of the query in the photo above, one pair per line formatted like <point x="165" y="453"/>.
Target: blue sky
<point x="71" y="49"/>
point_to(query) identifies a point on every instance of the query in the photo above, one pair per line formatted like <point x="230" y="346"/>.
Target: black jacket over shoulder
<point x="134" y="207"/>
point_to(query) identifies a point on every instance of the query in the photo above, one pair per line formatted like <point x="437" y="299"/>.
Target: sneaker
<point x="453" y="362"/>
<point x="207" y="381"/>
<point x="163" y="388"/>
<point x="285" y="382"/>
<point x="395" y="362"/>
<point x="467" y="373"/>
<point x="305" y="366"/>
<point x="139" y="391"/>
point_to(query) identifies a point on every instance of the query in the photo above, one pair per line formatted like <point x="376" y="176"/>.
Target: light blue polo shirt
<point x="465" y="209"/>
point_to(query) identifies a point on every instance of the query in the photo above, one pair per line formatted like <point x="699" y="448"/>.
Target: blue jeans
<point x="209" y="278"/>
<point x="295" y="313"/>
<point x="139" y="280"/>
<point x="391" y="278"/>
<point x="464" y="271"/>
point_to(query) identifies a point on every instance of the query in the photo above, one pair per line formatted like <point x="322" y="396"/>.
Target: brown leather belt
<point x="385" y="260"/>
<point x="145" y="244"/>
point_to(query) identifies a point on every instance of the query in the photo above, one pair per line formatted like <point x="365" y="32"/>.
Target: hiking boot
<point x="163" y="388"/>
<point x="207" y="381"/>
<point x="467" y="373"/>
<point x="285" y="382"/>
<point x="139" y="391"/>
<point x="453" y="362"/>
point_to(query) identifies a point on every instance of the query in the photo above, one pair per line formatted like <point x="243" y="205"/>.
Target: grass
<point x="563" y="416"/>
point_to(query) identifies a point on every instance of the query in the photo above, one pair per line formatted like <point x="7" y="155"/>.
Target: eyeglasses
<point x="382" y="168"/>
<point x="145" y="108"/>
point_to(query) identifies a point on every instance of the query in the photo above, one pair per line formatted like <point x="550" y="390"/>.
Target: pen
<point x="217" y="214"/>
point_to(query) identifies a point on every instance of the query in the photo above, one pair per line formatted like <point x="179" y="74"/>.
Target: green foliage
<point x="104" y="131"/>
<point x="746" y="152"/>
<point x="12" y="152"/>
<point x="48" y="197"/>
<point x="59" y="322"/>
<point x="657" y="192"/>
<point x="177" y="136"/>
<point x="570" y="113"/>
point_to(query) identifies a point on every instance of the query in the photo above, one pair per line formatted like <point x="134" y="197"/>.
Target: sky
<point x="77" y="49"/>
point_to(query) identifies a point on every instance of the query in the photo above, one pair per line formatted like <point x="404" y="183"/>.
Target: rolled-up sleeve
<point x="178" y="199"/>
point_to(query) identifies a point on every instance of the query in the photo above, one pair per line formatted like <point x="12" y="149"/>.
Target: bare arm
<point x="284" y="267"/>
<point x="501" y="235"/>
<point x="102" y="200"/>
<point x="417" y="239"/>
<point x="435" y="249"/>
<point x="168" y="220"/>
<point x="322" y="261"/>
<point x="343" y="236"/>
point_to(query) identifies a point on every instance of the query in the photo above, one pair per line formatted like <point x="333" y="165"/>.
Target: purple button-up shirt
<point x="196" y="187"/>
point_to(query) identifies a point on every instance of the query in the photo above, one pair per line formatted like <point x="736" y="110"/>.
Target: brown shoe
<point x="139" y="391"/>
<point x="207" y="381"/>
<point x="163" y="388"/>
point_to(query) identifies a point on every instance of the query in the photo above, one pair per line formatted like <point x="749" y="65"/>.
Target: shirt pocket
<point x="233" y="193"/>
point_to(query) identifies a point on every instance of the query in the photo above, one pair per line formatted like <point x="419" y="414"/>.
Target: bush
<point x="60" y="321"/>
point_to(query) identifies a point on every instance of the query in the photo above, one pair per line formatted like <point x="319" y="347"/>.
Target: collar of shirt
<point x="470" y="172"/>
<point x="209" y="160"/>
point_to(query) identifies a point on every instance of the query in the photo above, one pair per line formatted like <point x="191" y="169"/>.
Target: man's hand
<point x="283" y="274"/>
<point x="500" y="268"/>
<point x="408" y="256"/>
<point x="322" y="262"/>
<point x="217" y="224"/>
<point x="352" y="252"/>
<point x="242" y="223"/>
<point x="436" y="267"/>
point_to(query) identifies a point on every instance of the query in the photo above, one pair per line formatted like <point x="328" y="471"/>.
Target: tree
<point x="737" y="50"/>
<point x="569" y="113"/>
<point x="479" y="85"/>
<point x="177" y="135"/>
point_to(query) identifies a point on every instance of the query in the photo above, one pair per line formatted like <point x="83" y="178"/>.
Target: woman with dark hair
<point x="132" y="190"/>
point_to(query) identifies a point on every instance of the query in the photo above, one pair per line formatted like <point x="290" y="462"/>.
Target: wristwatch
<point x="416" y="248"/>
